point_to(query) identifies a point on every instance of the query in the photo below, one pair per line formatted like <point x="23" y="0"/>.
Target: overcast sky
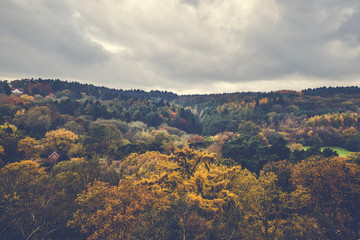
<point x="186" y="46"/>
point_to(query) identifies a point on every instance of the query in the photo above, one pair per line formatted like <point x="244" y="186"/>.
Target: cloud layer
<point x="188" y="46"/>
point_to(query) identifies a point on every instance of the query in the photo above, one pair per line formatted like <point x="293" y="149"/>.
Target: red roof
<point x="53" y="157"/>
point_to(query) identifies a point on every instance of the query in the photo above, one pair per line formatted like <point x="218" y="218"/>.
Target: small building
<point x="53" y="158"/>
<point x="17" y="90"/>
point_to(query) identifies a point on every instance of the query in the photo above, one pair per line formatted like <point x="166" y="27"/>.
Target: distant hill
<point x="328" y="91"/>
<point x="46" y="86"/>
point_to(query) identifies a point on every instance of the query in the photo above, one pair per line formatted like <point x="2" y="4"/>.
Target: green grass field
<point x="341" y="151"/>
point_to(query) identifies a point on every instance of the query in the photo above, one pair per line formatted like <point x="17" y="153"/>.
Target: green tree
<point x="248" y="151"/>
<point x="9" y="138"/>
<point x="96" y="140"/>
<point x="36" y="121"/>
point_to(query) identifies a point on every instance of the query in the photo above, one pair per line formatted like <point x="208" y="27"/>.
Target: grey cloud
<point x="181" y="43"/>
<point x="300" y="40"/>
<point x="41" y="39"/>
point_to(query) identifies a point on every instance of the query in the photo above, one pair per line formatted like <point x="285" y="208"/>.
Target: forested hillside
<point x="79" y="161"/>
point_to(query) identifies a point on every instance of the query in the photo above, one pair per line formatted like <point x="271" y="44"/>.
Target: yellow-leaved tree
<point x="269" y="213"/>
<point x="30" y="206"/>
<point x="199" y="199"/>
<point x="197" y="187"/>
<point x="59" y="140"/>
<point x="30" y="147"/>
<point x="117" y="212"/>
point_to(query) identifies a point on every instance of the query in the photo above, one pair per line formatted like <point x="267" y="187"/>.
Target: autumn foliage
<point x="334" y="186"/>
<point x="131" y="164"/>
<point x="60" y="139"/>
<point x="116" y="212"/>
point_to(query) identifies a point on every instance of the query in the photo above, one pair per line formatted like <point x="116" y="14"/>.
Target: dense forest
<point x="79" y="161"/>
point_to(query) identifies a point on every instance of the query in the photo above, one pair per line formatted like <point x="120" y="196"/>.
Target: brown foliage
<point x="195" y="138"/>
<point x="41" y="87"/>
<point x="334" y="185"/>
<point x="13" y="101"/>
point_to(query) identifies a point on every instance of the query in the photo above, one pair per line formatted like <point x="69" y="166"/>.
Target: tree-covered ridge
<point x="85" y="162"/>
<point x="303" y="117"/>
<point x="46" y="86"/>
